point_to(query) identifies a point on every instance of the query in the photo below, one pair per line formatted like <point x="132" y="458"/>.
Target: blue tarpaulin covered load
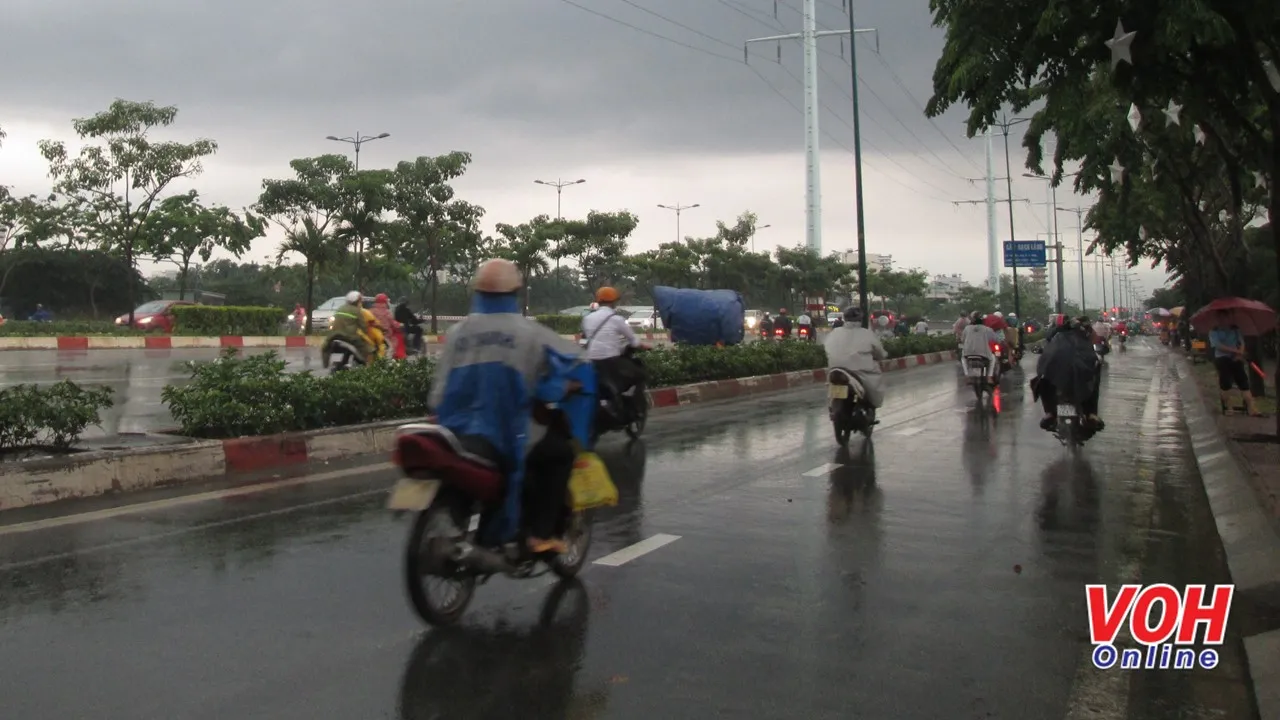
<point x="701" y="317"/>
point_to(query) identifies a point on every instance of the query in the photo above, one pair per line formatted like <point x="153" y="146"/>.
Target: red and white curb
<point x="182" y="342"/>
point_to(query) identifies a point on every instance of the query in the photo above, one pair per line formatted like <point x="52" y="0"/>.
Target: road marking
<point x="188" y="499"/>
<point x="908" y="432"/>
<point x="644" y="547"/>
<point x="821" y="470"/>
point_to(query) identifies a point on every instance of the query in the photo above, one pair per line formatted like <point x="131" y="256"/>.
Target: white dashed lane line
<point x="644" y="547"/>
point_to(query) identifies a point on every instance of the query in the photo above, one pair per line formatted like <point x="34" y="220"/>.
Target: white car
<point x="642" y="318"/>
<point x="751" y="318"/>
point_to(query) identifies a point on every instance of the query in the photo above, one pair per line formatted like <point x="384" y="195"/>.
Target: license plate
<point x="975" y="372"/>
<point x="336" y="358"/>
<point x="1066" y="411"/>
<point x="839" y="392"/>
<point x="414" y="495"/>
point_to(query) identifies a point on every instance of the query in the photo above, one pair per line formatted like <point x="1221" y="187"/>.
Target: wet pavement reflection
<point x="933" y="571"/>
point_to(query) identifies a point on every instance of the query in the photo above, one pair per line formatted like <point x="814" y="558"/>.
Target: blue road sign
<point x="1027" y="253"/>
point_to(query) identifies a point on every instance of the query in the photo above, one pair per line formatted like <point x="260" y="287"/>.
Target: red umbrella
<point x="1251" y="316"/>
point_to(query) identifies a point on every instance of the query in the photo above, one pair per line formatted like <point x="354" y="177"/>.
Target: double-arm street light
<point x="679" y="209"/>
<point x="559" y="185"/>
<point x="356" y="141"/>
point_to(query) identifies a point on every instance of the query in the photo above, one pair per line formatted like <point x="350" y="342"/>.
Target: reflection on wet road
<point x="934" y="572"/>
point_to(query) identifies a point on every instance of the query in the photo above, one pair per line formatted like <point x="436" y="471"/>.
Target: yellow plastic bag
<point x="590" y="485"/>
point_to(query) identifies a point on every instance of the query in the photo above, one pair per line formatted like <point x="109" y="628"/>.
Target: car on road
<point x="581" y="310"/>
<point x="642" y="317"/>
<point x="751" y="319"/>
<point x="156" y="315"/>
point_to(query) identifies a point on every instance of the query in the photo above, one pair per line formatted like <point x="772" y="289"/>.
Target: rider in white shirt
<point x="610" y="342"/>
<point x="805" y="321"/>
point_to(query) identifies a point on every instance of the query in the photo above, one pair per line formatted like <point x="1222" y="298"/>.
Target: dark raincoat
<point x="1069" y="364"/>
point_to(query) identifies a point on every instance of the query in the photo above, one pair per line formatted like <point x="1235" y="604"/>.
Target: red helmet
<point x="381" y="299"/>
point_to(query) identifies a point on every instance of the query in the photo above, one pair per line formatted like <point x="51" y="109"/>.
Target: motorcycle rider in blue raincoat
<point x="528" y="393"/>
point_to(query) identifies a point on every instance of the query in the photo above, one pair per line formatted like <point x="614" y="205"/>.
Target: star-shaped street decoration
<point x="1120" y="46"/>
<point x="1135" y="117"/>
<point x="1259" y="180"/>
<point x="1117" y="171"/>
<point x="1199" y="133"/>
<point x="1171" y="114"/>
<point x="1142" y="233"/>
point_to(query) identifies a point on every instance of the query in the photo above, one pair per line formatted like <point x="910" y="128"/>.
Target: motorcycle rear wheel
<point x="842" y="433"/>
<point x="426" y="558"/>
<point x="640" y="410"/>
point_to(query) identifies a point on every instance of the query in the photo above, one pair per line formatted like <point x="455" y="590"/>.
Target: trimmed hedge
<point x="213" y="320"/>
<point x="918" y="344"/>
<point x="563" y="324"/>
<point x="51" y="416"/>
<point x="63" y="328"/>
<point x="235" y="396"/>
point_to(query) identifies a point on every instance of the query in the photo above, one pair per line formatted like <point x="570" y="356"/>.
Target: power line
<point x="920" y="106"/>
<point x="677" y="23"/>
<point x="650" y="33"/>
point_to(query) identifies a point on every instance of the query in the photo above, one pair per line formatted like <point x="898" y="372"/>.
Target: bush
<point x="63" y="328"/>
<point x="214" y="321"/>
<point x="909" y="345"/>
<point x="683" y="364"/>
<point x="563" y="324"/>
<point x="51" y="416"/>
<point x="236" y="396"/>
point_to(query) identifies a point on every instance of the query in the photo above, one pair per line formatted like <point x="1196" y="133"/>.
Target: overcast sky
<point x="541" y="89"/>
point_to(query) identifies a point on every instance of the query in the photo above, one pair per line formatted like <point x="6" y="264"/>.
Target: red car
<point x="156" y="315"/>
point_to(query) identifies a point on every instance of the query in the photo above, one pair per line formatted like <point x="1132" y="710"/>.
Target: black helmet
<point x="853" y="314"/>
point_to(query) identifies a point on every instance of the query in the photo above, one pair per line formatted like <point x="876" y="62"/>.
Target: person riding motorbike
<point x="1069" y="369"/>
<point x="611" y="344"/>
<point x="805" y="322"/>
<point x="958" y="328"/>
<point x="411" y="325"/>
<point x="381" y="311"/>
<point x="349" y="324"/>
<point x="1102" y="333"/>
<point x="976" y="340"/>
<point x="766" y="326"/>
<point x="493" y="381"/>
<point x="858" y="350"/>
<point x="783" y="322"/>
<point x="375" y="331"/>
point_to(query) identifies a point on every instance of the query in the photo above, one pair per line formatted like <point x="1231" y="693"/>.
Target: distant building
<point x="875" y="261"/>
<point x="1040" y="275"/>
<point x="945" y="287"/>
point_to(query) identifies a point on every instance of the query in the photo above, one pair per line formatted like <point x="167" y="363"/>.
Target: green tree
<point x="432" y="221"/>
<point x="599" y="244"/>
<point x="1163" y="298"/>
<point x="805" y="273"/>
<point x="182" y="229"/>
<point x="897" y="286"/>
<point x="308" y="208"/>
<point x="528" y="245"/>
<point x="365" y="196"/>
<point x="119" y="153"/>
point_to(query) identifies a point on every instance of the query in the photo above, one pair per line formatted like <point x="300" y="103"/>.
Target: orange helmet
<point x="606" y="294"/>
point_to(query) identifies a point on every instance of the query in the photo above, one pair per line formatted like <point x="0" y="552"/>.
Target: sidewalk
<point x="1252" y="440"/>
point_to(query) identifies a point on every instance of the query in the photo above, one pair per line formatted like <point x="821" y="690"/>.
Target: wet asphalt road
<point x="934" y="573"/>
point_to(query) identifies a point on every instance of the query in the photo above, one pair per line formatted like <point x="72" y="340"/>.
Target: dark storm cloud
<point x="540" y="75"/>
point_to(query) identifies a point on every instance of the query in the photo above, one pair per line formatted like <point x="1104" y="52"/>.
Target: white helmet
<point x="998" y="314"/>
<point x="353" y="297"/>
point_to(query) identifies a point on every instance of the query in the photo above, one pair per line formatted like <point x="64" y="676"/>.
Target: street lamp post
<point x="1079" y="248"/>
<point x="679" y="209"/>
<point x="753" y="235"/>
<point x="559" y="185"/>
<point x="355" y="141"/>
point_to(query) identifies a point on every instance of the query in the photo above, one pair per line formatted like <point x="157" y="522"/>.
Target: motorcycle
<point x="628" y="411"/>
<point x="978" y="370"/>
<point x="1003" y="358"/>
<point x="448" y="482"/>
<point x="849" y="410"/>
<point x="339" y="353"/>
<point x="806" y="333"/>
<point x="1069" y="429"/>
<point x="1124" y="338"/>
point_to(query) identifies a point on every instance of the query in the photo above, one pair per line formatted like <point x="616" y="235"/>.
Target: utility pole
<point x="813" y="177"/>
<point x="679" y="209"/>
<point x="355" y="141"/>
<point x="1053" y="230"/>
<point x="1008" y="177"/>
<point x="993" y="246"/>
<point x="1079" y="248"/>
<point x="559" y="185"/>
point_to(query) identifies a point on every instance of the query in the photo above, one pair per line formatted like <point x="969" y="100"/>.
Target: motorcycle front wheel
<point x="578" y="538"/>
<point x="426" y="560"/>
<point x="640" y="410"/>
